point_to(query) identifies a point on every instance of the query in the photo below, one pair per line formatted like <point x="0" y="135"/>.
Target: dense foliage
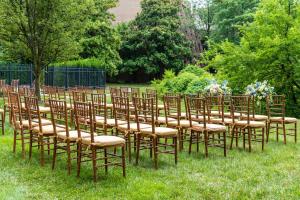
<point x="190" y="80"/>
<point x="269" y="50"/>
<point x="42" y="32"/>
<point x="152" y="42"/>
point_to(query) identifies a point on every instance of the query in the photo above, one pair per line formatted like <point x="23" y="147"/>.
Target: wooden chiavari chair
<point x="160" y="107"/>
<point x="94" y="144"/>
<point x="17" y="121"/>
<point x="101" y="113"/>
<point x="15" y="84"/>
<point x="215" y="111"/>
<point x="276" y="115"/>
<point x="145" y="110"/>
<point x="172" y="105"/>
<point x="65" y="141"/>
<point x="197" y="111"/>
<point x="100" y="90"/>
<point x="41" y="132"/>
<point x="122" y="120"/>
<point x="242" y="105"/>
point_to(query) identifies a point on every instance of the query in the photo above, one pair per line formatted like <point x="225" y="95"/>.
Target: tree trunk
<point x="37" y="83"/>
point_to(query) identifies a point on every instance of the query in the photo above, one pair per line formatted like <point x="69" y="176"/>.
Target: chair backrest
<point x="100" y="90"/>
<point x="135" y="92"/>
<point x="61" y="93"/>
<point x="99" y="107"/>
<point x="153" y="96"/>
<point x="197" y="110"/>
<point x="121" y="110"/>
<point x="114" y="91"/>
<point x="84" y="118"/>
<point x="276" y="106"/>
<point x="33" y="110"/>
<point x="15" y="109"/>
<point x="59" y="115"/>
<point x="6" y="90"/>
<point x="79" y="96"/>
<point x="215" y="107"/>
<point x="144" y="111"/>
<point x="15" y="83"/>
<point x="241" y="105"/>
<point x="172" y="106"/>
<point x="2" y="83"/>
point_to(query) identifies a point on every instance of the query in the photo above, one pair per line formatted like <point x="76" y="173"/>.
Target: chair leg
<point x="244" y="138"/>
<point x="249" y="138"/>
<point x="268" y="131"/>
<point x="3" y="123"/>
<point x="155" y="151"/>
<point x="23" y="143"/>
<point x="30" y="145"/>
<point x="42" y="150"/>
<point x="277" y="132"/>
<point x="123" y="161"/>
<point x="175" y="149"/>
<point x="94" y="159"/>
<point x="15" y="141"/>
<point x="69" y="157"/>
<point x="129" y="146"/>
<point x="206" y="143"/>
<point x="263" y="139"/>
<point x="191" y="141"/>
<point x="232" y="137"/>
<point x="296" y="132"/>
<point x="105" y="160"/>
<point x="197" y="141"/>
<point x="284" y="132"/>
<point x="138" y="149"/>
<point x="78" y="159"/>
<point x="224" y="136"/>
<point x="54" y="152"/>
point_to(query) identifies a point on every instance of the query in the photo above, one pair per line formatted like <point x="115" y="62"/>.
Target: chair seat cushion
<point x="104" y="141"/>
<point x="1" y="110"/>
<point x="133" y="126"/>
<point x="161" y="131"/>
<point x="110" y="122"/>
<point x="44" y="109"/>
<point x="109" y="105"/>
<point x="183" y="123"/>
<point x="34" y="123"/>
<point x="254" y="124"/>
<point x="228" y="114"/>
<point x="160" y="107"/>
<point x="209" y="127"/>
<point x="162" y="120"/>
<point x="219" y="120"/>
<point x="286" y="119"/>
<point x="48" y="129"/>
<point x="182" y="115"/>
<point x="256" y="117"/>
<point x="73" y="135"/>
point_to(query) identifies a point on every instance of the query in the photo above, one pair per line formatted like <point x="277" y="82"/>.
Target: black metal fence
<point x="75" y="76"/>
<point x="55" y="76"/>
<point x="22" y="72"/>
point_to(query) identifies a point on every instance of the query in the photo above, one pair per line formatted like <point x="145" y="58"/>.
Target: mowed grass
<point x="272" y="174"/>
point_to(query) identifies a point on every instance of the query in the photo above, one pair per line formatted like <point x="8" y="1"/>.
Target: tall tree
<point x="101" y="40"/>
<point x="42" y="31"/>
<point x="269" y="50"/>
<point x="153" y="41"/>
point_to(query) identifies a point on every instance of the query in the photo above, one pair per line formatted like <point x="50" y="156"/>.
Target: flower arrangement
<point x="260" y="90"/>
<point x="214" y="88"/>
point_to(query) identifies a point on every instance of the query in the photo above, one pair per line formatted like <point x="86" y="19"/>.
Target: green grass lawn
<point x="272" y="174"/>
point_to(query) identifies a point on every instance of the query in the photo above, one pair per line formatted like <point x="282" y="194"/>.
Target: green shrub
<point x="89" y="62"/>
<point x="194" y="70"/>
<point x="181" y="82"/>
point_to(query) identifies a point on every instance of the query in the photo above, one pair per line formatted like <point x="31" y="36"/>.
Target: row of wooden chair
<point x="189" y="118"/>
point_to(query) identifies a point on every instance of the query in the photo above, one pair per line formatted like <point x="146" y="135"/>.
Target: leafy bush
<point x="190" y="80"/>
<point x="194" y="70"/>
